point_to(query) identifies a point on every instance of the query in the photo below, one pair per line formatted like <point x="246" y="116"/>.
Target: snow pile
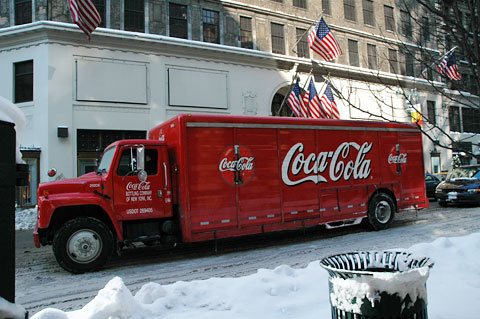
<point x="9" y="112"/>
<point x="25" y="219"/>
<point x="10" y="310"/>
<point x="453" y="291"/>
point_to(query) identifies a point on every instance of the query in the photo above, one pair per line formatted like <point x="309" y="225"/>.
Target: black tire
<point x="442" y="203"/>
<point x="381" y="211"/>
<point x="83" y="244"/>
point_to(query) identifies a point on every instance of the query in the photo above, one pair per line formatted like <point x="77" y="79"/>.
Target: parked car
<point x="462" y="185"/>
<point x="431" y="182"/>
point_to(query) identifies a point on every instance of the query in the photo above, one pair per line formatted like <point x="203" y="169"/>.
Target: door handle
<point x="166" y="179"/>
<point x="159" y="194"/>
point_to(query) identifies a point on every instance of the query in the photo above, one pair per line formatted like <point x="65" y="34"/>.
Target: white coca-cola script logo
<point x="142" y="186"/>
<point x="397" y="159"/>
<point x="242" y="164"/>
<point x="313" y="165"/>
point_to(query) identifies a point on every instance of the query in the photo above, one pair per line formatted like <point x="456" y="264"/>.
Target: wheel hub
<point x="84" y="246"/>
<point x="383" y="212"/>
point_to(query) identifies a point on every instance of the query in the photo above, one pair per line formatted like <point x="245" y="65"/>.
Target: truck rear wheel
<point x="381" y="211"/>
<point x="82" y="244"/>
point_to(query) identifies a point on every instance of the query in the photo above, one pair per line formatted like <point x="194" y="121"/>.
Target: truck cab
<point x="128" y="199"/>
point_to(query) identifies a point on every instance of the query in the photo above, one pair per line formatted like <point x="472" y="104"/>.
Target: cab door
<point x="136" y="199"/>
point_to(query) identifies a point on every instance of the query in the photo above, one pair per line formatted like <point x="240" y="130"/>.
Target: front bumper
<point x="456" y="197"/>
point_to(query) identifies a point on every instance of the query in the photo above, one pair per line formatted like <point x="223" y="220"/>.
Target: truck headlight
<point x="473" y="190"/>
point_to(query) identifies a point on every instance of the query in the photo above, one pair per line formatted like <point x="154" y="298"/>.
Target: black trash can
<point x="378" y="285"/>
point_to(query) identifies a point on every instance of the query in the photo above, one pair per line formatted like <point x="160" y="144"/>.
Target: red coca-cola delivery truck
<point x="206" y="177"/>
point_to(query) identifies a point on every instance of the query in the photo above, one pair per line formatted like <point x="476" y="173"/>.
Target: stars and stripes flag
<point x="449" y="67"/>
<point x="322" y="41"/>
<point x="328" y="103"/>
<point x="312" y="100"/>
<point x="294" y="100"/>
<point x="85" y="15"/>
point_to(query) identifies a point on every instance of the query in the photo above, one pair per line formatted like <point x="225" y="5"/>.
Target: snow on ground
<point x="25" y="218"/>
<point x="453" y="290"/>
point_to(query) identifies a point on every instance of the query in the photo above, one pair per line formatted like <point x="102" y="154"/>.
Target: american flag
<point x="328" y="103"/>
<point x="449" y="66"/>
<point x="322" y="41"/>
<point x="85" y="15"/>
<point x="312" y="100"/>
<point x="295" y="100"/>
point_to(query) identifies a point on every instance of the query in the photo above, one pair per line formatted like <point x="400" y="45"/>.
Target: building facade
<point x="153" y="59"/>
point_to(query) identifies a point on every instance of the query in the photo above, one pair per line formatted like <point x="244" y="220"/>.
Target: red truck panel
<point x="242" y="175"/>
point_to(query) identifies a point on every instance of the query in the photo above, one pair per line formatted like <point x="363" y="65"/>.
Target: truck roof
<point x="287" y="122"/>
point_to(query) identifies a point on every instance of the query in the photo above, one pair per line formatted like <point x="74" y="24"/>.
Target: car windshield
<point x="106" y="161"/>
<point x="464" y="173"/>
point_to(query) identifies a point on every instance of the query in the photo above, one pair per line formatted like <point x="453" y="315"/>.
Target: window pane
<point x="372" y="56"/>
<point x="303" y="50"/>
<point x="431" y="112"/>
<point x="135" y="15"/>
<point x="300" y="3"/>
<point x="23" y="81"/>
<point x="454" y="118"/>
<point x="23" y="11"/>
<point x="392" y="59"/>
<point x="409" y="64"/>
<point x="278" y="41"/>
<point x="211" y="26"/>
<point x="326" y="7"/>
<point x="406" y="24"/>
<point x="368" y="15"/>
<point x="178" y="21"/>
<point x="100" y="6"/>
<point x="471" y="120"/>
<point x="389" y="19"/>
<point x="349" y="8"/>
<point x="246" y="38"/>
<point x="353" y="52"/>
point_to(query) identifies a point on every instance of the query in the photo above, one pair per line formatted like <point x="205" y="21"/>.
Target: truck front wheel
<point x="381" y="211"/>
<point x="82" y="244"/>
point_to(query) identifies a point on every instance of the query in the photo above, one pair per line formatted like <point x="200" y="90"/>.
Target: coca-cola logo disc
<point x="397" y="159"/>
<point x="237" y="165"/>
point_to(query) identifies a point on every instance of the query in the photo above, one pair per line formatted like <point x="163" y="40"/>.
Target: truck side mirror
<point x="142" y="174"/>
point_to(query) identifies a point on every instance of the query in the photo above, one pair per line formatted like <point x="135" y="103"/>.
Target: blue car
<point x="431" y="183"/>
<point x="462" y="185"/>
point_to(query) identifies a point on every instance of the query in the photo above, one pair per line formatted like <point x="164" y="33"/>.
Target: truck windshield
<point x="106" y="161"/>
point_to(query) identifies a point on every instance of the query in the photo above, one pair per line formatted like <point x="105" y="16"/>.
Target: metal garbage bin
<point x="378" y="285"/>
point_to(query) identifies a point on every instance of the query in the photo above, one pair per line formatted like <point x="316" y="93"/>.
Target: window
<point x="454" y="118"/>
<point x="368" y="14"/>
<point x="471" y="120"/>
<point x="23" y="11"/>
<point x="372" y="56"/>
<point x="135" y="15"/>
<point x="389" y="19"/>
<point x="23" y="81"/>
<point x="178" y="23"/>
<point x="303" y="50"/>
<point x="91" y="142"/>
<point x="246" y="38"/>
<point x="406" y="24"/>
<point x="327" y="9"/>
<point x="409" y="64"/>
<point x="349" y="9"/>
<point x="393" y="60"/>
<point x="432" y="117"/>
<point x="100" y="6"/>
<point x="278" y="38"/>
<point x="425" y="30"/>
<point x="211" y="26"/>
<point x="300" y="4"/>
<point x="353" y="52"/>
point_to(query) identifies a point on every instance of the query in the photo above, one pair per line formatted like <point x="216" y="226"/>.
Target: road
<point x="41" y="283"/>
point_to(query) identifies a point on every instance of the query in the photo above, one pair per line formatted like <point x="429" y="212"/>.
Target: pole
<point x="289" y="90"/>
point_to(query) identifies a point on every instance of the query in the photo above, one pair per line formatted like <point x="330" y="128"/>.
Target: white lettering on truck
<point x="313" y="164"/>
